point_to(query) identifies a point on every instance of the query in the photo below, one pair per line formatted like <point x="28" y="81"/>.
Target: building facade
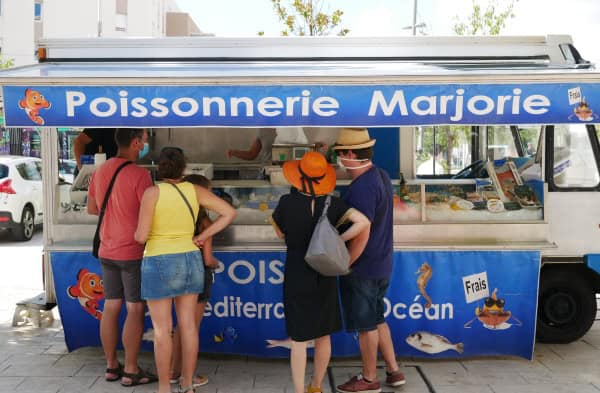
<point x="23" y="22"/>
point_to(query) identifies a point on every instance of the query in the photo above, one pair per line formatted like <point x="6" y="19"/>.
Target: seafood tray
<point x="526" y="197"/>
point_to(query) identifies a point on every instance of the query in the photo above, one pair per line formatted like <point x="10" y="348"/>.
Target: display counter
<point x="427" y="213"/>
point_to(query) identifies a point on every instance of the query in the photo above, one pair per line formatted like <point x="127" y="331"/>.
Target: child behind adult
<point x="210" y="264"/>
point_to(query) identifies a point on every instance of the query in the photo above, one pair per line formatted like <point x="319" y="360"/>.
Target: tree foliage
<point x="308" y="18"/>
<point x="6" y="63"/>
<point x="485" y="20"/>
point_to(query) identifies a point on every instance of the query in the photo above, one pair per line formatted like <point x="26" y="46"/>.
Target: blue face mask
<point x="144" y="150"/>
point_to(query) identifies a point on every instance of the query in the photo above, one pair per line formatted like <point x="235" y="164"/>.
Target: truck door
<point x="573" y="205"/>
<point x="567" y="290"/>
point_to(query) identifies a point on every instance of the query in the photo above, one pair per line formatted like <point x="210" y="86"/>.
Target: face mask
<point x="349" y="168"/>
<point x="144" y="150"/>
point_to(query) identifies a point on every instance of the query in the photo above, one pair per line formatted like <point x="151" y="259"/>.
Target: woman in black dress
<point x="310" y="300"/>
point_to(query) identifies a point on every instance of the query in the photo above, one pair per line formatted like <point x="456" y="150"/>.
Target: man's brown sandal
<point x="140" y="378"/>
<point x="116" y="372"/>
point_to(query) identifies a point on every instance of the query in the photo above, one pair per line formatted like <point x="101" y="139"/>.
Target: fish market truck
<point x="491" y="144"/>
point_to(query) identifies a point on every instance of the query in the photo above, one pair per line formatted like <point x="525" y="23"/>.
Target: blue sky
<point x="242" y="18"/>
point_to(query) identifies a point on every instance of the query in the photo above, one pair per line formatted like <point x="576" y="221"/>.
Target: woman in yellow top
<point x="172" y="268"/>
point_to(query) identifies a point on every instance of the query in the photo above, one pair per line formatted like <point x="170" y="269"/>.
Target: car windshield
<point x="3" y="171"/>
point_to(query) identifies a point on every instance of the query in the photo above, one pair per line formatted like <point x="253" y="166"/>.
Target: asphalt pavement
<point x="35" y="359"/>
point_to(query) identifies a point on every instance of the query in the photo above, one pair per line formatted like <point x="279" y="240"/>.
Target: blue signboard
<point x="301" y="105"/>
<point x="441" y="304"/>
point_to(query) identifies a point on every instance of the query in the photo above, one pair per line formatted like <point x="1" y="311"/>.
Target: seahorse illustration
<point x="425" y="273"/>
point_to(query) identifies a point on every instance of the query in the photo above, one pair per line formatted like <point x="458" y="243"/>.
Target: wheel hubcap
<point x="28" y="223"/>
<point x="560" y="308"/>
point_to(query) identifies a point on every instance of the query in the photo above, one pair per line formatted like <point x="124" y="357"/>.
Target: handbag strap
<point x="109" y="191"/>
<point x="327" y="204"/>
<point x="187" y="203"/>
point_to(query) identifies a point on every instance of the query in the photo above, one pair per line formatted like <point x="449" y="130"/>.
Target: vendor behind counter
<point x="94" y="140"/>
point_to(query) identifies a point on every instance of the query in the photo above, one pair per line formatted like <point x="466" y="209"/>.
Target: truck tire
<point x="24" y="231"/>
<point x="566" y="306"/>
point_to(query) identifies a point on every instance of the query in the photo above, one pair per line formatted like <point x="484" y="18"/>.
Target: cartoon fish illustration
<point x="432" y="343"/>
<point x="148" y="335"/>
<point x="218" y="338"/>
<point x="425" y="272"/>
<point x="32" y="103"/>
<point x="287" y="343"/>
<point x="88" y="291"/>
<point x="229" y="334"/>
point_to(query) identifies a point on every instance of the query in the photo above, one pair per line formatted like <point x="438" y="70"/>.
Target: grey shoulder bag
<point x="327" y="252"/>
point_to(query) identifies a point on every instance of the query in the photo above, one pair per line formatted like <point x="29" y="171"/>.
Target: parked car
<point x="66" y="170"/>
<point x="20" y="195"/>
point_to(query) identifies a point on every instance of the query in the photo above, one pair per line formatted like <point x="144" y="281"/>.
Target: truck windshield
<point x="574" y="161"/>
<point x="442" y="150"/>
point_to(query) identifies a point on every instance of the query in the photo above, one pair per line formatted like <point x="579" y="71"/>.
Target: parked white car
<point x="20" y="195"/>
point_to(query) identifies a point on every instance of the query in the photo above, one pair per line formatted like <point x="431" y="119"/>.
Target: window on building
<point x="122" y="7"/>
<point x="121" y="17"/>
<point x="37" y="11"/>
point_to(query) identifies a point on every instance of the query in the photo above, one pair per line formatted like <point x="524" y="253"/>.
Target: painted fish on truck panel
<point x="441" y="304"/>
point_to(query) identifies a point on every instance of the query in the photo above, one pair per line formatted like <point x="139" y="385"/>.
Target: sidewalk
<point x="36" y="360"/>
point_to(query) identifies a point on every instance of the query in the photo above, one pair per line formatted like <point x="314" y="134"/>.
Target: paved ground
<point x="36" y="359"/>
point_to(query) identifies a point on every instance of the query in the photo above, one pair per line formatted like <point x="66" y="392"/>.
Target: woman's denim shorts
<point x="170" y="275"/>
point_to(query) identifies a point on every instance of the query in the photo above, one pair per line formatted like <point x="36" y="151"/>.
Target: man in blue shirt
<point x="363" y="290"/>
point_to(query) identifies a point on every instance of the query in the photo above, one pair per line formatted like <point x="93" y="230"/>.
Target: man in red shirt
<point x="120" y="255"/>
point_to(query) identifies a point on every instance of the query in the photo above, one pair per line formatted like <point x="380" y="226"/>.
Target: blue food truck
<point x="491" y="144"/>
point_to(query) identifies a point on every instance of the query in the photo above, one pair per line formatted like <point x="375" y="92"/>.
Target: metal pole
<point x="414" y="24"/>
<point x="99" y="18"/>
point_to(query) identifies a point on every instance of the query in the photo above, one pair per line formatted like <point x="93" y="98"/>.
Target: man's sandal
<point x="188" y="389"/>
<point x="116" y="373"/>
<point x="140" y="378"/>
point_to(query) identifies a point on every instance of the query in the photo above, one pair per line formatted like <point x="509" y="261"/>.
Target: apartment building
<point x="23" y="22"/>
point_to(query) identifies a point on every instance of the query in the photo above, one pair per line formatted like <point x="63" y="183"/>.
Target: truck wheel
<point x="24" y="231"/>
<point x="566" y="306"/>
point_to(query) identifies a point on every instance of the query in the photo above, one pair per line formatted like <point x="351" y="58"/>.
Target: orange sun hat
<point x="311" y="175"/>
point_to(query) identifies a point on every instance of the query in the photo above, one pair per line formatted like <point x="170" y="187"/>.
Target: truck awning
<point x="270" y="71"/>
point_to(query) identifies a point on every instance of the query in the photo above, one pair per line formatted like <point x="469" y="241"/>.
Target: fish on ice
<point x="432" y="343"/>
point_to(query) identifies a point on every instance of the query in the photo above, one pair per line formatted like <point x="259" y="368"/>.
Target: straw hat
<point x="313" y="170"/>
<point x="353" y="138"/>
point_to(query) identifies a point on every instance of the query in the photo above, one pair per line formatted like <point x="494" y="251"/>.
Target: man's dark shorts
<point x="122" y="279"/>
<point x="209" y="279"/>
<point x="362" y="302"/>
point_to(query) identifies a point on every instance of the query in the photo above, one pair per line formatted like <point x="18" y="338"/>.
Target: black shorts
<point x="122" y="280"/>
<point x="209" y="279"/>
